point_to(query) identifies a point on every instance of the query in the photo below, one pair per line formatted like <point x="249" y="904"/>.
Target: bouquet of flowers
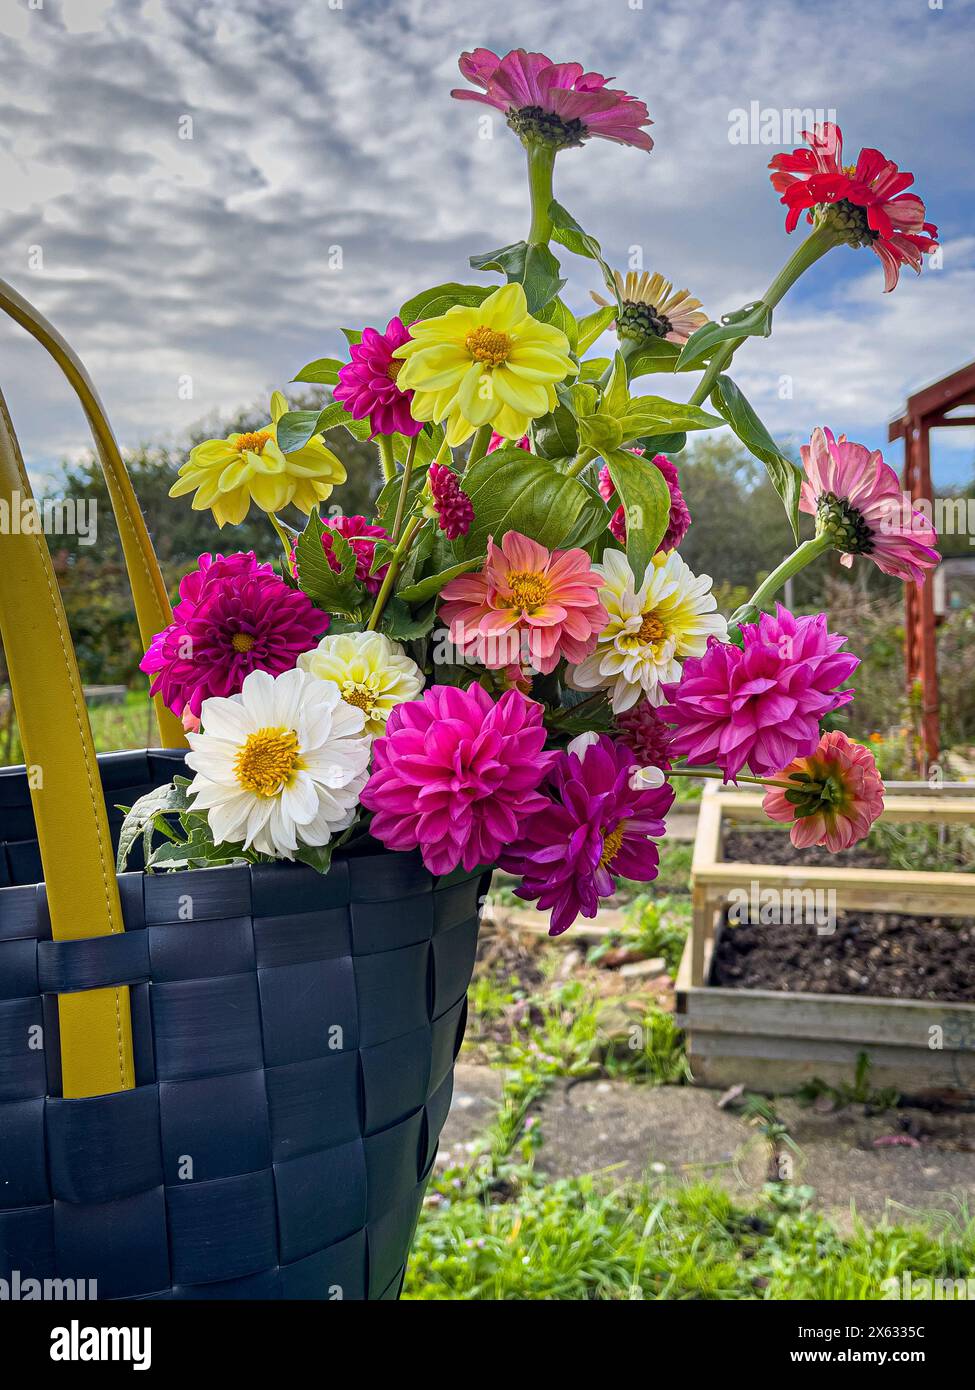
<point x="509" y="662"/>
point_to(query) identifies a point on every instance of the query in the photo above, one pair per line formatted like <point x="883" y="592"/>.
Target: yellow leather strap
<point x="69" y="810"/>
<point x="152" y="606"/>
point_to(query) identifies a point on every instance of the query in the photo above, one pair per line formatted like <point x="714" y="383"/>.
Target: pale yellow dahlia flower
<point x="372" y="673"/>
<point x="493" y="364"/>
<point x="228" y="474"/>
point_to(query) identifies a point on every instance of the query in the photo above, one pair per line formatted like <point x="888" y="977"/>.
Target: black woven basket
<point x="294" y="1040"/>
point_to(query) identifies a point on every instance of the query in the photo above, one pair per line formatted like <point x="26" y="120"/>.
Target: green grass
<point x="113" y="727"/>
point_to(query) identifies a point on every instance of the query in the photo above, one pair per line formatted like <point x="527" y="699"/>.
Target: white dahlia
<point x="650" y="629"/>
<point x="281" y="763"/>
<point x="372" y="673"/>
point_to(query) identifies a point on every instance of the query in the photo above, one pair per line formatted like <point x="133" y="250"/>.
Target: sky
<point x="200" y="194"/>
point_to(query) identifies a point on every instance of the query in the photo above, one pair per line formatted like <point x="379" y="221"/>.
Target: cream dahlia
<point x="372" y="673"/>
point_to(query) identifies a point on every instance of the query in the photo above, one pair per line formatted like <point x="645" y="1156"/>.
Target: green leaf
<point x="593" y="368"/>
<point x="318" y="857"/>
<point x="430" y="304"/>
<point x="401" y="625"/>
<point x="515" y="491"/>
<point x="592" y="522"/>
<point x="786" y="477"/>
<point x="656" y="355"/>
<point x="591" y="326"/>
<point x="600" y="432"/>
<point x="560" y="316"/>
<point x="298" y="426"/>
<point x="533" y="267"/>
<point x="352" y="335"/>
<point x="555" y="435"/>
<point x="645" y="496"/>
<point x="662" y="443"/>
<point x="754" y="320"/>
<point x="324" y="372"/>
<point x="566" y="229"/>
<point x="141" y="817"/>
<point x="431" y="586"/>
<point x="428" y="443"/>
<point x="655" y="415"/>
<point x="616" y="394"/>
<point x="334" y="592"/>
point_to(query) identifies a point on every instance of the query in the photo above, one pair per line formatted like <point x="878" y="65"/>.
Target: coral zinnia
<point x="670" y="616"/>
<point x="555" y="103"/>
<point x="680" y="517"/>
<point x="597" y="822"/>
<point x="836" y="794"/>
<point x="760" y="704"/>
<point x="456" y="775"/>
<point x="857" y="499"/>
<point x="493" y="363"/>
<point x="652" y="310"/>
<point x="362" y="536"/>
<point x="368" y="384"/>
<point x="451" y="505"/>
<point x="863" y="202"/>
<point x="234" y="616"/>
<point x="527" y="606"/>
<point x="228" y="474"/>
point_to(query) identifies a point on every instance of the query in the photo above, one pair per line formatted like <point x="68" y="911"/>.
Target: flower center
<point x="850" y="220"/>
<point x="534" y="123"/>
<point x="847" y="527"/>
<point x="485" y="345"/>
<point x="268" y="761"/>
<point x="394" y="368"/>
<point x="252" y="443"/>
<point x="651" y="629"/>
<point x="242" y="641"/>
<point x="642" y="321"/>
<point x="611" y="845"/>
<point x="354" y="693"/>
<point x="529" y="589"/>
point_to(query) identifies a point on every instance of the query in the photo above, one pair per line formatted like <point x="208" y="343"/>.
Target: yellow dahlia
<point x="228" y="474"/>
<point x="652" y="310"/>
<point x="490" y="364"/>
<point x="372" y="673"/>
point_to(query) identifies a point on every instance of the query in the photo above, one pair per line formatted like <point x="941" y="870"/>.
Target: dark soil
<point x="775" y="847"/>
<point x="878" y="953"/>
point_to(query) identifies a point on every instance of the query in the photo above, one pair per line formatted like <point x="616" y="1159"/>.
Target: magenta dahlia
<point x="680" y="517"/>
<point x="597" y="822"/>
<point x="454" y="509"/>
<point x="362" y="536"/>
<point x="759" y="704"/>
<point x="367" y="384"/>
<point x="647" y="734"/>
<point x="456" y="775"/>
<point x="557" y="103"/>
<point x="234" y="616"/>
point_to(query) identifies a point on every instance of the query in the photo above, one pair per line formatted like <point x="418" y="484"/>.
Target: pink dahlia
<point x="759" y="704"/>
<point x="527" y="606"/>
<point x="857" y="499"/>
<point x="234" y="616"/>
<point x="836" y="794"/>
<point x="647" y="734"/>
<point x="498" y="441"/>
<point x="362" y="536"/>
<point x="453" y="507"/>
<point x="456" y="775"/>
<point x="680" y="517"/>
<point x="367" y="384"/>
<point x="597" y="822"/>
<point x="865" y="202"/>
<point x="557" y="103"/>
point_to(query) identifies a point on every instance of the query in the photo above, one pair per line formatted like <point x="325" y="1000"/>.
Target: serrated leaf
<point x="430" y="586"/>
<point x="515" y="491"/>
<point x="333" y="592"/>
<point x="324" y="371"/>
<point x="643" y="491"/>
<point x="754" y="320"/>
<point x="532" y="266"/>
<point x="431" y="303"/>
<point x="786" y="477"/>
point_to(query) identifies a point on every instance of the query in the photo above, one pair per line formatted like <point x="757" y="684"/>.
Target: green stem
<point x="581" y="461"/>
<point x="283" y="537"/>
<point x="386" y="456"/>
<point x="443" y="453"/>
<point x="792" y="564"/>
<point x="412" y="526"/>
<point x="482" y="438"/>
<point x="404" y="488"/>
<point x="816" y="244"/>
<point x="541" y="163"/>
<point x="716" y="772"/>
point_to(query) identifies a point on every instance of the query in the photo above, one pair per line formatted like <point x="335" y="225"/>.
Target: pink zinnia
<point x="362" y="536"/>
<point x="865" y="201"/>
<point x="858" y="500"/>
<point x="528" y="605"/>
<point x="836" y="797"/>
<point x="558" y="103"/>
<point x="234" y="616"/>
<point x="597" y="823"/>
<point x="647" y="734"/>
<point x="759" y="704"/>
<point x="456" y="775"/>
<point x="454" y="508"/>
<point x="680" y="517"/>
<point x="367" y="384"/>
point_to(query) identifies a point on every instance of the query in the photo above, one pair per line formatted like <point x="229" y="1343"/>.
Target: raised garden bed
<point x="875" y="960"/>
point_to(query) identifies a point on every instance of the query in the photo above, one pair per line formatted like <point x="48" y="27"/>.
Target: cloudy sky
<point x="329" y="175"/>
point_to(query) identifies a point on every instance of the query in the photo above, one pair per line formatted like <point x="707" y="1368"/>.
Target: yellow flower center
<point x="394" y="369"/>
<point x="611" y="845"/>
<point x="529" y="589"/>
<point x="242" y="641"/>
<point x="268" y="761"/>
<point x="651" y="629"/>
<point x="354" y="693"/>
<point x="485" y="345"/>
<point x="252" y="443"/>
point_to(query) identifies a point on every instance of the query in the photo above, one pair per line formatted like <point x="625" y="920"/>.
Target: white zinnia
<point x="371" y="672"/>
<point x="283" y="762"/>
<point x="670" y="616"/>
